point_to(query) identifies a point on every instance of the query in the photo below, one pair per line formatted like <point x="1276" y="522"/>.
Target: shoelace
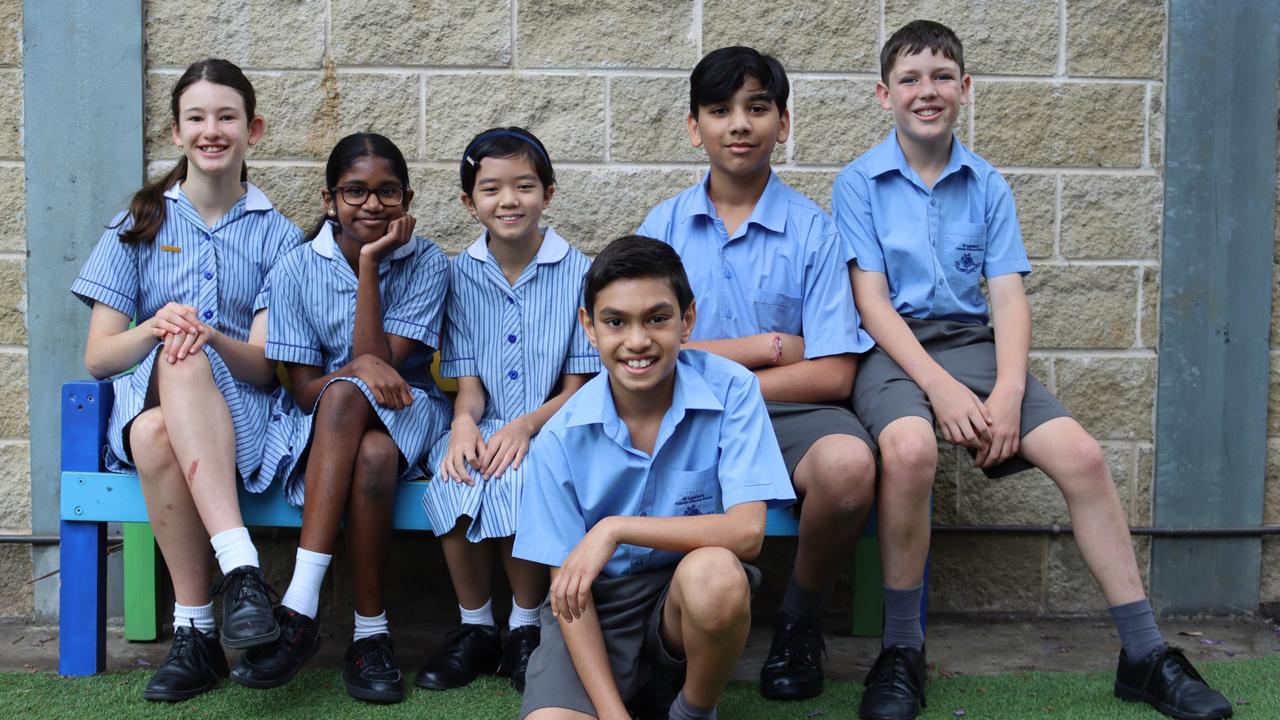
<point x="377" y="656"/>
<point x="241" y="584"/>
<point x="801" y="641"/>
<point x="896" y="670"/>
<point x="185" y="645"/>
<point x="1178" y="658"/>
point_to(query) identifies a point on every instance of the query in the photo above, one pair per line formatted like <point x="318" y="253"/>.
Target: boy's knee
<point x="716" y="596"/>
<point x="910" y="448"/>
<point x="1087" y="458"/>
<point x="378" y="458"/>
<point x="842" y="474"/>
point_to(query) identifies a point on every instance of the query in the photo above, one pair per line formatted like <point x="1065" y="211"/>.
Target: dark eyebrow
<point x="658" y="307"/>
<point x="762" y="96"/>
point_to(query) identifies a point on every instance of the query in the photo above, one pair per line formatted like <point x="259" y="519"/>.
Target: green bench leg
<point x="868" y="597"/>
<point x="140" y="612"/>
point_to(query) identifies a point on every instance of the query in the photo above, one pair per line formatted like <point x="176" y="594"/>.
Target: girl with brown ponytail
<point x="186" y="265"/>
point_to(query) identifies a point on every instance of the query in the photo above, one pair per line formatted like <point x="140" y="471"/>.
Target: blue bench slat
<point x="114" y="497"/>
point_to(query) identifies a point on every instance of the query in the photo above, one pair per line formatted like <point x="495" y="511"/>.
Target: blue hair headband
<point x="526" y="137"/>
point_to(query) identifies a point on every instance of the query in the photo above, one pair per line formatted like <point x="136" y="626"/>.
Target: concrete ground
<point x="960" y="645"/>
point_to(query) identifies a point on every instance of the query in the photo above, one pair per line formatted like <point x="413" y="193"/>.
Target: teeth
<point x="928" y="113"/>
<point x="640" y="364"/>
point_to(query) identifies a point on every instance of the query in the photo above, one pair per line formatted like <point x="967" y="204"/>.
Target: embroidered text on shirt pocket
<point x="777" y="312"/>
<point x="690" y="493"/>
<point x="964" y="245"/>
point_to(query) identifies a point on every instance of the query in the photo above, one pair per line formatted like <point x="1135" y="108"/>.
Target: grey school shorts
<point x="799" y="425"/>
<point x="630" y="612"/>
<point x="883" y="392"/>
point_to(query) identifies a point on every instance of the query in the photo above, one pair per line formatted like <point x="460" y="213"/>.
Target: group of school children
<point x="756" y="352"/>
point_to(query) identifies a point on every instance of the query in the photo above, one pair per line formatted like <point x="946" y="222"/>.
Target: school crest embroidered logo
<point x="966" y="264"/>
<point x="691" y="511"/>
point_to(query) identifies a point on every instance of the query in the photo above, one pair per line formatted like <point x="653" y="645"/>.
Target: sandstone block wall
<point x="1067" y="101"/>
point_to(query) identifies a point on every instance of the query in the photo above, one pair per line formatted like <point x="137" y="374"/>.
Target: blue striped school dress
<point x="518" y="339"/>
<point x="311" y="320"/>
<point x="220" y="271"/>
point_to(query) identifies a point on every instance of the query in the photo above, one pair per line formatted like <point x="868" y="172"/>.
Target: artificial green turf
<point x="1252" y="685"/>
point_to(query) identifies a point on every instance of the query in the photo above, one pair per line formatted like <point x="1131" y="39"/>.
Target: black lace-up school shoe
<point x="894" y="685"/>
<point x="370" y="672"/>
<point x="793" y="670"/>
<point x="468" y="651"/>
<point x="521" y="643"/>
<point x="275" y="663"/>
<point x="246" y="609"/>
<point x="193" y="667"/>
<point x="1166" y="681"/>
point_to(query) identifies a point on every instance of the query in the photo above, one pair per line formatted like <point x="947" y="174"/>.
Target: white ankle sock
<point x="234" y="549"/>
<point x="482" y="615"/>
<point x="201" y="616"/>
<point x="370" y="626"/>
<point x="520" y="617"/>
<point x="303" y="595"/>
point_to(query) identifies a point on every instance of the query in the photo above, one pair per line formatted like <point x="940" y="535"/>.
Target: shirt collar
<point x="552" y="250"/>
<point x="324" y="244"/>
<point x="770" y="211"/>
<point x="254" y="199"/>
<point x="594" y="402"/>
<point x="888" y="156"/>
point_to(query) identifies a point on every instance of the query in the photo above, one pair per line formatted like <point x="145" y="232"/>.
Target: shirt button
<point x="208" y="276"/>
<point x="204" y="236"/>
<point x="513" y="374"/>
<point x="728" y="274"/>
<point x="208" y="314"/>
<point x="511" y="338"/>
<point x="934" y="202"/>
<point x="511" y="301"/>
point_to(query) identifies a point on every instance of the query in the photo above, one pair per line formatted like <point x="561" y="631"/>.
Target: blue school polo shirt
<point x="783" y="270"/>
<point x="715" y="449"/>
<point x="933" y="245"/>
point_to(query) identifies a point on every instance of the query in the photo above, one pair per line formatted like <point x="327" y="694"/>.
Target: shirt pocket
<point x="688" y="493"/>
<point x="777" y="312"/>
<point x="963" y="249"/>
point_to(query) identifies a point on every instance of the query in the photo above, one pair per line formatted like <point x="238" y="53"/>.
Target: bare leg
<point x="909" y="460"/>
<point x="373" y="494"/>
<point x="529" y="580"/>
<point x="470" y="567"/>
<point x="1073" y="459"/>
<point x="174" y="519"/>
<point x="706" y="617"/>
<point x="836" y="478"/>
<point x="339" y="424"/>
<point x="203" y="439"/>
<point x="558" y="714"/>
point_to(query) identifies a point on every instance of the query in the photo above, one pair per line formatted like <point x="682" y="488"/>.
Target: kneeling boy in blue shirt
<point x="927" y="219"/>
<point x="645" y="493"/>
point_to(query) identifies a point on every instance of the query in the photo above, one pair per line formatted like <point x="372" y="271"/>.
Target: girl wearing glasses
<point x="186" y="264"/>
<point x="513" y="341"/>
<point x="355" y="316"/>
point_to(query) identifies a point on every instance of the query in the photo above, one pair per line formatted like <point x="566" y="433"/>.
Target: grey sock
<point x="902" y="618"/>
<point x="802" y="602"/>
<point x="682" y="710"/>
<point x="1137" y="627"/>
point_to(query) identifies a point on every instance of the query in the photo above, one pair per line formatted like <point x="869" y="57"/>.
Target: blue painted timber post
<point x="82" y="622"/>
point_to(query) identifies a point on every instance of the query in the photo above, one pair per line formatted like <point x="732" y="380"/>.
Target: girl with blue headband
<point x="512" y="340"/>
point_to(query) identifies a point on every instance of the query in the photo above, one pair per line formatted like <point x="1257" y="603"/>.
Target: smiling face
<point x="213" y="128"/>
<point x="366" y="222"/>
<point x="925" y="92"/>
<point x="508" y="198"/>
<point x="739" y="134"/>
<point x="637" y="328"/>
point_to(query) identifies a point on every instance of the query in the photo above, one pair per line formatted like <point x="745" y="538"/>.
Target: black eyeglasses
<point x="388" y="195"/>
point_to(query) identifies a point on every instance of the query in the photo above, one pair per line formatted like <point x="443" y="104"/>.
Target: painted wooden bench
<point x="92" y="497"/>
